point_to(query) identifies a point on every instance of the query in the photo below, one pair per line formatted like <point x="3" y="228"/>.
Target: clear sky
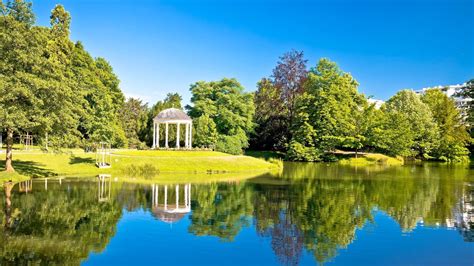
<point x="158" y="47"/>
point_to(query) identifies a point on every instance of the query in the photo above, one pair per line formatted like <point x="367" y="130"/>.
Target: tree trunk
<point x="9" y="157"/>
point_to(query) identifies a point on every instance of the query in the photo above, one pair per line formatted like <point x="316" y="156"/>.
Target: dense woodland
<point x="55" y="90"/>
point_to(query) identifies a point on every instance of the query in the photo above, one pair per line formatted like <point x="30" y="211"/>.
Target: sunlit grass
<point x="372" y="158"/>
<point x="132" y="164"/>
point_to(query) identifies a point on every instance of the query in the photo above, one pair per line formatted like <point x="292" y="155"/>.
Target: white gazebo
<point x="172" y="116"/>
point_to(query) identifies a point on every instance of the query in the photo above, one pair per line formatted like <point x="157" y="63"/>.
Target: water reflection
<point x="104" y="187"/>
<point x="175" y="211"/>
<point x="308" y="208"/>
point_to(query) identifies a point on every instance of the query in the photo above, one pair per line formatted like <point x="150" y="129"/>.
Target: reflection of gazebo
<point x="172" y="116"/>
<point x="174" y="211"/>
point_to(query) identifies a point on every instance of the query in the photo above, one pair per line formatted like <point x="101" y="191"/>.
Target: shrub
<point x="299" y="152"/>
<point x="229" y="144"/>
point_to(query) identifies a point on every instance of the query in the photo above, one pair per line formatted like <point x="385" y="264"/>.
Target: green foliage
<point x="133" y="116"/>
<point x="270" y="117"/>
<point x="453" y="135"/>
<point x="231" y="109"/>
<point x="205" y="133"/>
<point x="51" y="87"/>
<point x="276" y="101"/>
<point x="229" y="144"/>
<point x="329" y="114"/>
<point x="409" y="127"/>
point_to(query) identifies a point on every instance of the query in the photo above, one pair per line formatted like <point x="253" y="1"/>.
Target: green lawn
<point x="131" y="164"/>
<point x="370" y="159"/>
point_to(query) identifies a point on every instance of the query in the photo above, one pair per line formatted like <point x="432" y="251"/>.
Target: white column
<point x="191" y="135"/>
<point x="186" y="136"/>
<point x="166" y="135"/>
<point x="154" y="135"/>
<point x="158" y="135"/>
<point x="177" y="135"/>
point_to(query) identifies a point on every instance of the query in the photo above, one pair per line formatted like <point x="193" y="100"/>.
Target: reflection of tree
<point x="326" y="204"/>
<point x="328" y="212"/>
<point x="59" y="226"/>
<point x="273" y="219"/>
<point x="220" y="210"/>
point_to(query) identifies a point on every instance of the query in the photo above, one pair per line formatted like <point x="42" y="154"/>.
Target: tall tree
<point x="329" y="109"/>
<point x="275" y="101"/>
<point x="453" y="136"/>
<point x="270" y="118"/>
<point x="22" y="53"/>
<point x="406" y="115"/>
<point x="231" y="109"/>
<point x="289" y="77"/>
<point x="133" y="117"/>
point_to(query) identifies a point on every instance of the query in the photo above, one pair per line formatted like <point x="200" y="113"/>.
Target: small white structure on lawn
<point x="103" y="158"/>
<point x="177" y="117"/>
<point x="26" y="140"/>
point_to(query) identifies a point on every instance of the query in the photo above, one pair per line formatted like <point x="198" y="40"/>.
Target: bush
<point x="229" y="144"/>
<point x="299" y="152"/>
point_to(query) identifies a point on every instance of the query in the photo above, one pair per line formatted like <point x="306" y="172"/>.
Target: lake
<point x="309" y="214"/>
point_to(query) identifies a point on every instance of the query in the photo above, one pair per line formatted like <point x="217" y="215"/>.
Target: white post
<point x="177" y="135"/>
<point x="166" y="135"/>
<point x="191" y="135"/>
<point x="158" y="135"/>
<point x="186" y="142"/>
<point x="154" y="135"/>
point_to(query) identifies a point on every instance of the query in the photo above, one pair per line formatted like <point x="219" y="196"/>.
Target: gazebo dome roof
<point x="172" y="114"/>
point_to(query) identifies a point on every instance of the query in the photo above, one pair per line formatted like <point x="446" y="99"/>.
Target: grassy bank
<point x="371" y="159"/>
<point x="132" y="164"/>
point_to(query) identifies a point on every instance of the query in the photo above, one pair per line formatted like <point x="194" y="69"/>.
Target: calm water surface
<point x="310" y="214"/>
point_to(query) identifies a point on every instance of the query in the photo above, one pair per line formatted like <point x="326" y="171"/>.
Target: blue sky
<point x="158" y="47"/>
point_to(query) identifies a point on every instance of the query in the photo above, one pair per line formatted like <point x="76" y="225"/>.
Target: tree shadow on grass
<point x="31" y="169"/>
<point x="77" y="160"/>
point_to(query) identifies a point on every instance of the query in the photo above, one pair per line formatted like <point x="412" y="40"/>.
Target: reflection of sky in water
<point x="142" y="239"/>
